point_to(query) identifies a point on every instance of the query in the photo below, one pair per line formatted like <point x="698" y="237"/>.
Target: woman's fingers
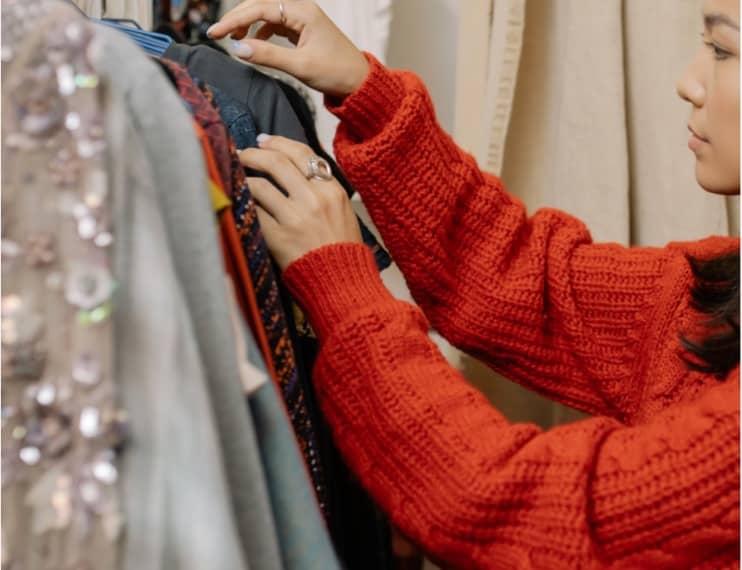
<point x="267" y="222"/>
<point x="271" y="55"/>
<point x="267" y="31"/>
<point x="270" y="199"/>
<point x="280" y="168"/>
<point x="298" y="153"/>
<point x="253" y="11"/>
<point x="325" y="59"/>
<point x="239" y="33"/>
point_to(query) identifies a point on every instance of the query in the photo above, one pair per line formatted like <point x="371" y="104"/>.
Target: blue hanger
<point x="151" y="42"/>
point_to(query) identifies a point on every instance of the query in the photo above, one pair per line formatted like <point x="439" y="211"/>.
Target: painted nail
<point x="263" y="138"/>
<point x="242" y="50"/>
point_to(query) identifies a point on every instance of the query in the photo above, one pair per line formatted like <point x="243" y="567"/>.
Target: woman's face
<point x="711" y="84"/>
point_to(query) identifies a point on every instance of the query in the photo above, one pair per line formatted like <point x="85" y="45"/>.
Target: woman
<point x="645" y="339"/>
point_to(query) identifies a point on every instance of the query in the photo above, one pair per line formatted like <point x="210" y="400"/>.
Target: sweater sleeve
<point x="530" y="296"/>
<point x="478" y="492"/>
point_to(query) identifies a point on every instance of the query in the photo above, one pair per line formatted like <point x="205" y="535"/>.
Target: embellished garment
<point x="61" y="425"/>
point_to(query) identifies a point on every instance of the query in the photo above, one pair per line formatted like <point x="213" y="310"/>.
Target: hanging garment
<point x="334" y="499"/>
<point x="305" y="544"/>
<point x="193" y="241"/>
<point x="245" y="84"/>
<point x="237" y="269"/>
<point x="236" y="169"/>
<point x="265" y="285"/>
<point x="295" y="387"/>
<point x="173" y="468"/>
<point x="259" y="94"/>
<point x="359" y="531"/>
<point x="237" y="118"/>
<point x="234" y="260"/>
<point x="225" y="168"/>
<point x="206" y="116"/>
<point x="302" y="534"/>
<point x="62" y="419"/>
<point x="181" y="449"/>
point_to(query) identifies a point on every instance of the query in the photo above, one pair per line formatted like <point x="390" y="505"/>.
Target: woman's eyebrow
<point x="715" y="19"/>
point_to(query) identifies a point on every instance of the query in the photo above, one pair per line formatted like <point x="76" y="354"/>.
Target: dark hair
<point x="715" y="293"/>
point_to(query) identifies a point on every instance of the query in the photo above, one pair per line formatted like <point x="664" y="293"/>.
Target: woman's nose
<point x="690" y="86"/>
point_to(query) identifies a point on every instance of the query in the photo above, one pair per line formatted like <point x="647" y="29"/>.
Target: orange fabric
<point x="652" y="481"/>
<point x="234" y="259"/>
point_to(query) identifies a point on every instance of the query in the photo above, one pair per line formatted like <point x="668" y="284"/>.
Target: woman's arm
<point x="478" y="492"/>
<point x="531" y="296"/>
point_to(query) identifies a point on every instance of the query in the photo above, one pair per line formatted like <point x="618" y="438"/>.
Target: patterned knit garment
<point x="198" y="96"/>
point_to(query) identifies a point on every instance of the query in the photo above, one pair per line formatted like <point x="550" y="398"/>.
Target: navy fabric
<point x="237" y="118"/>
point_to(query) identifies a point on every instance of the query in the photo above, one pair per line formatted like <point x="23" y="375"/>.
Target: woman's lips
<point x="695" y="142"/>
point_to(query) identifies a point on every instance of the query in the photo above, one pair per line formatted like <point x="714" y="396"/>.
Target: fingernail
<point x="240" y="150"/>
<point x="242" y="50"/>
<point x="263" y="138"/>
<point x="208" y="32"/>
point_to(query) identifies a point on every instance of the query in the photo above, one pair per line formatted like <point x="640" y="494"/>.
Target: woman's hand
<point x="316" y="212"/>
<point x="324" y="58"/>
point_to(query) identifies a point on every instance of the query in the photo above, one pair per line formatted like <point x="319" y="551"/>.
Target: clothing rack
<point x="191" y="395"/>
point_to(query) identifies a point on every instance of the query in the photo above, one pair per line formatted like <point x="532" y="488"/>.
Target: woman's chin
<point x="715" y="184"/>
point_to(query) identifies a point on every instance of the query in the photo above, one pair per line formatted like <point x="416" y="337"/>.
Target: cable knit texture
<point x="651" y="481"/>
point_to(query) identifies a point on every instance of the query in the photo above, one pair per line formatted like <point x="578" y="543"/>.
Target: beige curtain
<point x="596" y="129"/>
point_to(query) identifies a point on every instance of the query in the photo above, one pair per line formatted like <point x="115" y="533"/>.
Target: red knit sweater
<point x="651" y="481"/>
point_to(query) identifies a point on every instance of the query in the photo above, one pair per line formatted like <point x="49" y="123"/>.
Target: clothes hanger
<point x="123" y="22"/>
<point x="151" y="42"/>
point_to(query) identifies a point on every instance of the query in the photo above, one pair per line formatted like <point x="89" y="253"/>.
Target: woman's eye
<point x="719" y="53"/>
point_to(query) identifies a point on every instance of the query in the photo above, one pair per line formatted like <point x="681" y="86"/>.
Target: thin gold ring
<point x="282" y="11"/>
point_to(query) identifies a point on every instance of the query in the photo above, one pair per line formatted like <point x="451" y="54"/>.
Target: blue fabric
<point x="237" y="118"/>
<point x="304" y="540"/>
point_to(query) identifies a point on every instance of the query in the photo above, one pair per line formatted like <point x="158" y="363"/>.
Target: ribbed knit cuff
<point x="332" y="282"/>
<point x="368" y="109"/>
